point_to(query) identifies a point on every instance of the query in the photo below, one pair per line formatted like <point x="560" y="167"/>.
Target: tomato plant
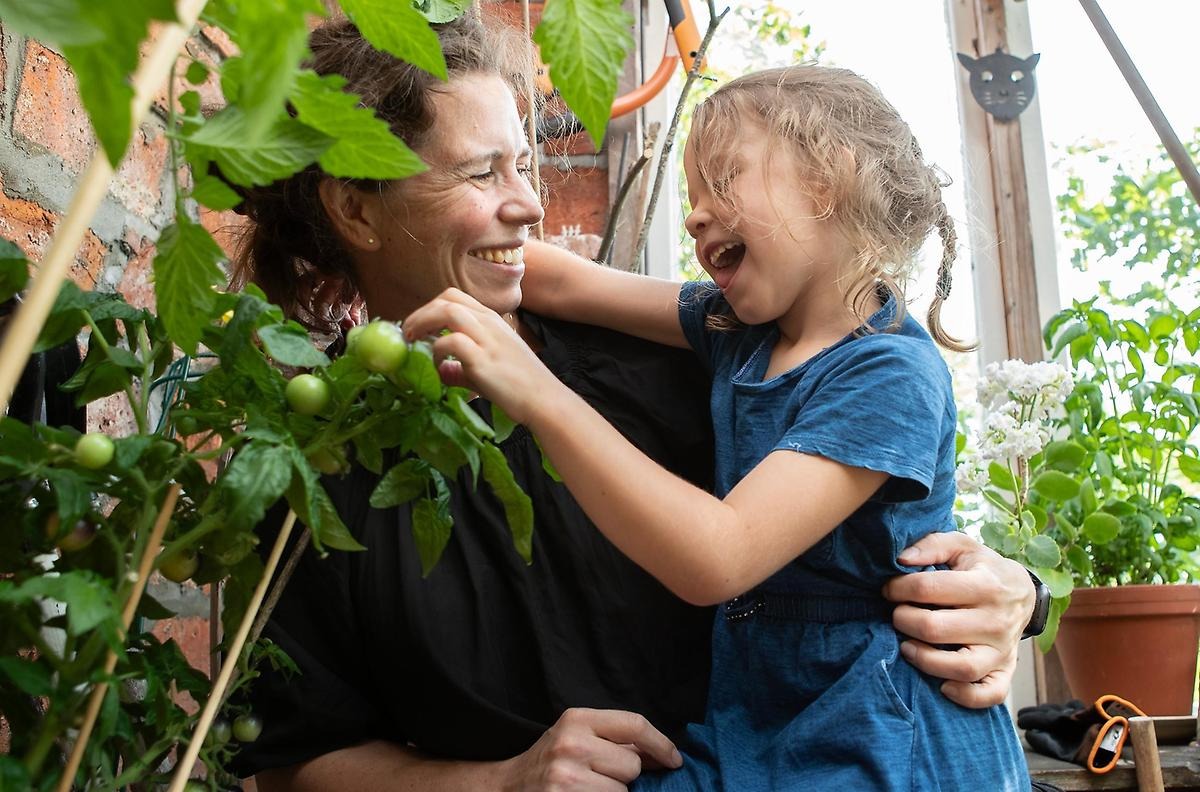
<point x="80" y="509"/>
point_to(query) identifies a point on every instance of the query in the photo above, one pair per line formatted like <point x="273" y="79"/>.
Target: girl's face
<point x="775" y="253"/>
<point x="462" y="222"/>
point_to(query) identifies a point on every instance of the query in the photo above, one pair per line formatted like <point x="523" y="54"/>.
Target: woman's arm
<point x="984" y="602"/>
<point x="705" y="550"/>
<point x="585" y="750"/>
<point x="561" y="285"/>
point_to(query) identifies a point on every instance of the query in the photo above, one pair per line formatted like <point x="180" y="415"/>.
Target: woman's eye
<point x="483" y="177"/>
<point x="525" y="170"/>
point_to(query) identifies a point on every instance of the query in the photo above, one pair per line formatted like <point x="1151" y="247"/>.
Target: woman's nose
<point x="523" y="206"/>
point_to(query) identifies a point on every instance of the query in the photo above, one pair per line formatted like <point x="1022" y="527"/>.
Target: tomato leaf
<point x="400" y="29"/>
<point x="14" y="270"/>
<point x="185" y="274"/>
<point x="518" y="508"/>
<point x="502" y="425"/>
<point x="287" y="147"/>
<point x="257" y="477"/>
<point x="364" y="146"/>
<point x="402" y="483"/>
<point x="441" y="10"/>
<point x="585" y="43"/>
<point x="215" y="194"/>
<point x="28" y="677"/>
<point x="290" y="345"/>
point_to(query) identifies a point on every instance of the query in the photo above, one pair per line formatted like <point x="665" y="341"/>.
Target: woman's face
<point x="463" y="222"/>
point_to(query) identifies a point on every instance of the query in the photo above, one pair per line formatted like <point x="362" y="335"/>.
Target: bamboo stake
<point x="531" y="112"/>
<point x="110" y="662"/>
<point x="27" y="322"/>
<point x="184" y="769"/>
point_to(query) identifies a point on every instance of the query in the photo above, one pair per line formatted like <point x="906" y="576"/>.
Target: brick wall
<point x="45" y="144"/>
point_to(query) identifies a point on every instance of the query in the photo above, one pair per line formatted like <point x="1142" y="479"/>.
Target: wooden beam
<point x="1010" y="202"/>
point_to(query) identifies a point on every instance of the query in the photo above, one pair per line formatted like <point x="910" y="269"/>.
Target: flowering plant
<point x="1090" y="470"/>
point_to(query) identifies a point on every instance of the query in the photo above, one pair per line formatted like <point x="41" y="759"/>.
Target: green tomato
<point x="306" y="394"/>
<point x="180" y="566"/>
<point x="186" y="425"/>
<point x="380" y="347"/>
<point x="195" y="785"/>
<point x="94" y="450"/>
<point x="327" y="461"/>
<point x="246" y="728"/>
<point x="352" y="337"/>
<point x="220" y="732"/>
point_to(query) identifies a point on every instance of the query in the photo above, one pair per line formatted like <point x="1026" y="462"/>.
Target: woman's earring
<point x="370" y="240"/>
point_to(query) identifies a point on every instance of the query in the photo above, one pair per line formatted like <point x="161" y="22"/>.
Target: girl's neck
<point x="819" y="319"/>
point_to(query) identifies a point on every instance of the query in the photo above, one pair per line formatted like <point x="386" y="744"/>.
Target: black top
<point x="478" y="659"/>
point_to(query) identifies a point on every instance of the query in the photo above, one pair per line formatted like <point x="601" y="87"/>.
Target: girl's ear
<point x="353" y="213"/>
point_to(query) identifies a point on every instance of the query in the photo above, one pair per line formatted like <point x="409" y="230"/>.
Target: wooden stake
<point x="27" y="322"/>
<point x="1145" y="755"/>
<point x="215" y="698"/>
<point x="110" y="662"/>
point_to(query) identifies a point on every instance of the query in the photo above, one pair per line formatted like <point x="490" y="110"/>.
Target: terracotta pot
<point x="1138" y="642"/>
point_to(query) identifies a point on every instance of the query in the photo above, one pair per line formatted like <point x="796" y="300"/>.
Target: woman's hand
<point x="984" y="602"/>
<point x="481" y="352"/>
<point x="590" y="749"/>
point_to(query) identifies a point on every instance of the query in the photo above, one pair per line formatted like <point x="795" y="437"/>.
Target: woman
<point x="478" y="676"/>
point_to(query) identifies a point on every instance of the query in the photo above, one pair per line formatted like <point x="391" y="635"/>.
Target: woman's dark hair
<point x="289" y="246"/>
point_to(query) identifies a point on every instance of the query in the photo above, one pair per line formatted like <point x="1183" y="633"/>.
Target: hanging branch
<point x="110" y="662"/>
<point x="635" y="170"/>
<point x="668" y="142"/>
<point x="27" y="322"/>
<point x="216" y="697"/>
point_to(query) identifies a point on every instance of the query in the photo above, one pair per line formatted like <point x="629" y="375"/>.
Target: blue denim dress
<point x="808" y="691"/>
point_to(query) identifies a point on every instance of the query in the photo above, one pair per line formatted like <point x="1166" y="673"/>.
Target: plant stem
<point x="610" y="233"/>
<point x="97" y="337"/>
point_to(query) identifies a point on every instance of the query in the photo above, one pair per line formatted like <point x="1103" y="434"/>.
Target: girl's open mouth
<point x="724" y="262"/>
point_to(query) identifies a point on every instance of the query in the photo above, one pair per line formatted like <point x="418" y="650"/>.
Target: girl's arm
<point x="561" y="285"/>
<point x="704" y="549"/>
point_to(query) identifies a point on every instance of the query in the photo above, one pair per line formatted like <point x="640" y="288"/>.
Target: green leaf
<point x="1057" y="607"/>
<point x="1064" y="455"/>
<point x="197" y="73"/>
<point x="400" y="29"/>
<point x="1055" y="486"/>
<point x="90" y="599"/>
<point x="1162" y="326"/>
<point x="518" y="508"/>
<point x="1000" y="476"/>
<point x="286" y="148"/>
<point x="102" y="66"/>
<point x="502" y="425"/>
<point x="257" y="477"/>
<point x="402" y="483"/>
<point x="1101" y="527"/>
<point x="290" y="345"/>
<point x="471" y="420"/>
<point x="1190" y="467"/>
<point x="1072" y="332"/>
<point x="272" y="36"/>
<point x="419" y="371"/>
<point x="364" y="146"/>
<point x="61" y="22"/>
<point x="1087" y="496"/>
<point x="585" y="43"/>
<point x="1079" y="561"/>
<point x="215" y="194"/>
<point x="1042" y="551"/>
<point x="14" y="270"/>
<point x="185" y="274"/>
<point x="994" y="533"/>
<point x="431" y="526"/>
<point x="29" y="677"/>
<point x="311" y="503"/>
<point x="442" y="10"/>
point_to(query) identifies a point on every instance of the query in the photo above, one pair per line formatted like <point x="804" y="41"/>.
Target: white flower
<point x="971" y="475"/>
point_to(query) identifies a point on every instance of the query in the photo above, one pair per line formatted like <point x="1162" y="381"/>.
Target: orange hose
<point x="631" y="101"/>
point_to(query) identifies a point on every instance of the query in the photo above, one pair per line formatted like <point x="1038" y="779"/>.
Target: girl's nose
<point x="696" y="222"/>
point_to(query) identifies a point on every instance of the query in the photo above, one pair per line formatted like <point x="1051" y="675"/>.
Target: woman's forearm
<point x="382" y="766"/>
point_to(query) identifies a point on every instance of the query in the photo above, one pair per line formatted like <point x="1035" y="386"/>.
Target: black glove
<point x="1091" y="736"/>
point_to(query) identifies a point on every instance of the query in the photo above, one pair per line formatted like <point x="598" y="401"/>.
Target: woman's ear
<point x="353" y="213"/>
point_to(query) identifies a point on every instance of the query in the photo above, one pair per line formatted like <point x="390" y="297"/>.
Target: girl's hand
<point x="481" y="352"/>
<point x="984" y="602"/>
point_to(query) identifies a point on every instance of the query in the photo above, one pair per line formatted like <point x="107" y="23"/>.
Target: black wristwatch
<point x="1041" y="608"/>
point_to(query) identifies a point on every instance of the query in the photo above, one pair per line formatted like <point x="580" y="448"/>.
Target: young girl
<point x="835" y="426"/>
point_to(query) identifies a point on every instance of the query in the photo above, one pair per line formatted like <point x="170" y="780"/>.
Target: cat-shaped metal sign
<point x="1003" y="84"/>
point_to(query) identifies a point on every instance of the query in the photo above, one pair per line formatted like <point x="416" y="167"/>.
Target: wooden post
<point x="1145" y="755"/>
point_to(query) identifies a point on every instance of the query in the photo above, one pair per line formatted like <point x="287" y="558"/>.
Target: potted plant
<point x="1088" y="472"/>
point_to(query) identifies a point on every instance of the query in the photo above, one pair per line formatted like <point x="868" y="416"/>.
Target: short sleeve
<point x="881" y="405"/>
<point x="697" y="300"/>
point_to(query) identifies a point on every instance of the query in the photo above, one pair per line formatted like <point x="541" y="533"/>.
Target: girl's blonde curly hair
<point x="859" y="163"/>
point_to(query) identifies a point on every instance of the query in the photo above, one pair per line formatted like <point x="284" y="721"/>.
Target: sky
<point x="904" y="47"/>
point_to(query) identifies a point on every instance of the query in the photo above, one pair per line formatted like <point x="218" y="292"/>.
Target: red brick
<point x="226" y="227"/>
<point x="211" y="98"/>
<point x="137" y="281"/>
<point x="112" y="415"/>
<point x="3" y="105"/>
<point x="578" y="198"/>
<point x="48" y="113"/>
<point x="191" y="633"/>
<point x="138" y="182"/>
<point x="30" y="227"/>
<point x="219" y="39"/>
